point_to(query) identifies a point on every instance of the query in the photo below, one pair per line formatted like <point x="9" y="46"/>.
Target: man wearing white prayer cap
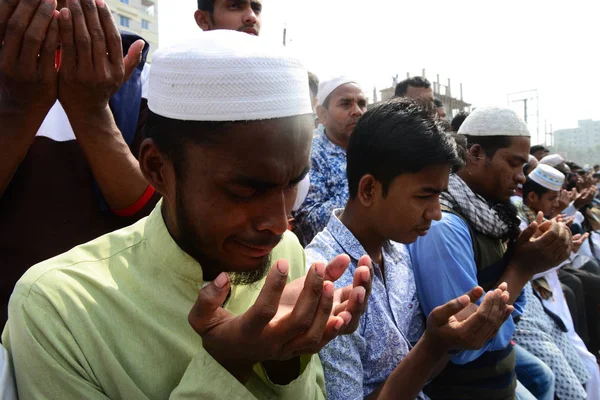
<point x="553" y="160"/>
<point x="550" y="179"/>
<point x="229" y="135"/>
<point x="467" y="247"/>
<point x="541" y="195"/>
<point x="340" y="103"/>
<point x="236" y="15"/>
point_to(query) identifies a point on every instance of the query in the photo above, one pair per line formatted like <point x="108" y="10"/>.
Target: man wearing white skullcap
<point x="538" y="331"/>
<point x="340" y="103"/>
<point x="553" y="160"/>
<point x="229" y="135"/>
<point x="467" y="247"/>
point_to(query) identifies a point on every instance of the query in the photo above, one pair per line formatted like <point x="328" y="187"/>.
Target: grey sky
<point x="493" y="47"/>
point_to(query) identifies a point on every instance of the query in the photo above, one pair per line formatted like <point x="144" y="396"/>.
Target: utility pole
<point x="524" y="107"/>
<point x="284" y="35"/>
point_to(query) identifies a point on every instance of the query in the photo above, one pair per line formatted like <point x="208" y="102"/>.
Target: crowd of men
<point x="221" y="224"/>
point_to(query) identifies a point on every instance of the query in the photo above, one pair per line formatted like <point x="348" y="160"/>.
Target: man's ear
<point x="532" y="197"/>
<point x="367" y="188"/>
<point x="203" y="19"/>
<point x="476" y="154"/>
<point x="157" y="168"/>
<point x="322" y="113"/>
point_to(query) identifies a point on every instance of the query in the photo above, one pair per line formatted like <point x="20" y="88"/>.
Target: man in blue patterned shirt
<point x="399" y="160"/>
<point x="340" y="103"/>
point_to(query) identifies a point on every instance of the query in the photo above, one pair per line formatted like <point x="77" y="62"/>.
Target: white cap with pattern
<point x="548" y="177"/>
<point x="224" y="75"/>
<point x="494" y="121"/>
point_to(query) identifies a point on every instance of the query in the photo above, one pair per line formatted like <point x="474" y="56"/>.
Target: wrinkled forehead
<point x="269" y="147"/>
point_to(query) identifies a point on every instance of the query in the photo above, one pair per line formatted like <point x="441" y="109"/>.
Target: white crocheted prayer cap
<point x="494" y="121"/>
<point x="548" y="177"/>
<point x="552" y="160"/>
<point x="224" y="75"/>
<point x="326" y="87"/>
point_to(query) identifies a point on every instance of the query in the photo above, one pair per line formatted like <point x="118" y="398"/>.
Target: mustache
<point x="267" y="241"/>
<point x="244" y="27"/>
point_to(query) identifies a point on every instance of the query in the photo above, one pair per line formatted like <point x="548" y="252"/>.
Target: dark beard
<point x="188" y="241"/>
<point x="250" y="277"/>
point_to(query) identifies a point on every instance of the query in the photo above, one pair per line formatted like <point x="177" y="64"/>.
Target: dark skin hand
<point x="585" y="197"/>
<point x="457" y="325"/>
<point x="540" y="247"/>
<point x="92" y="70"/>
<point x="28" y="78"/>
<point x="286" y="321"/>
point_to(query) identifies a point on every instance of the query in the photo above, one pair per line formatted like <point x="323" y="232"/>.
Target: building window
<point x="145" y="24"/>
<point x="124" y="21"/>
<point x="125" y="1"/>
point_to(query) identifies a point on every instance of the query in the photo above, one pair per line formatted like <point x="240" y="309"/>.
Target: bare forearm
<point x="516" y="279"/>
<point x="116" y="170"/>
<point x="16" y="135"/>
<point x="409" y="378"/>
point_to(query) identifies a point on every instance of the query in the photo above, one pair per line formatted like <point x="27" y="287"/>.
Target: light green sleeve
<point x="216" y="383"/>
<point x="309" y="385"/>
<point x="49" y="364"/>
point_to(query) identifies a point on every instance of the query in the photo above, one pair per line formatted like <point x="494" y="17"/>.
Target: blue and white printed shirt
<point x="358" y="364"/>
<point x="328" y="186"/>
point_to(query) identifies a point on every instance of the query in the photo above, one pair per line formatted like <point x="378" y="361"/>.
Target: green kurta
<point x="108" y="320"/>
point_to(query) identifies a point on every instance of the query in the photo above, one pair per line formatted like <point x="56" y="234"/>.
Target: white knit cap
<point x="224" y="75"/>
<point x="548" y="177"/>
<point x="494" y="121"/>
<point x="327" y="87"/>
<point x="552" y="160"/>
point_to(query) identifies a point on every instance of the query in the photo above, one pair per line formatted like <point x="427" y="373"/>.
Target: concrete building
<point x="585" y="136"/>
<point x="139" y="17"/>
<point x="453" y="104"/>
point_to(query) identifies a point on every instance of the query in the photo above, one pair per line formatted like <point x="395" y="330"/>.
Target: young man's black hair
<point x="417" y="82"/>
<point x="397" y="137"/>
<point x="458" y="120"/>
<point x="490" y="144"/>
<point x="533" y="187"/>
<point x="206" y="5"/>
<point x="536" y="148"/>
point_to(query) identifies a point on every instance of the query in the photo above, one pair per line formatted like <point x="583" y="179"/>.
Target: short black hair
<point x="313" y="84"/>
<point x="536" y="148"/>
<point x="596" y="166"/>
<point x="458" y="120"/>
<point x="573" y="166"/>
<point x="171" y="136"/>
<point x="396" y="137"/>
<point x="489" y="144"/>
<point x="437" y="102"/>
<point x="206" y="5"/>
<point x="530" y="186"/>
<point x="416" y="81"/>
